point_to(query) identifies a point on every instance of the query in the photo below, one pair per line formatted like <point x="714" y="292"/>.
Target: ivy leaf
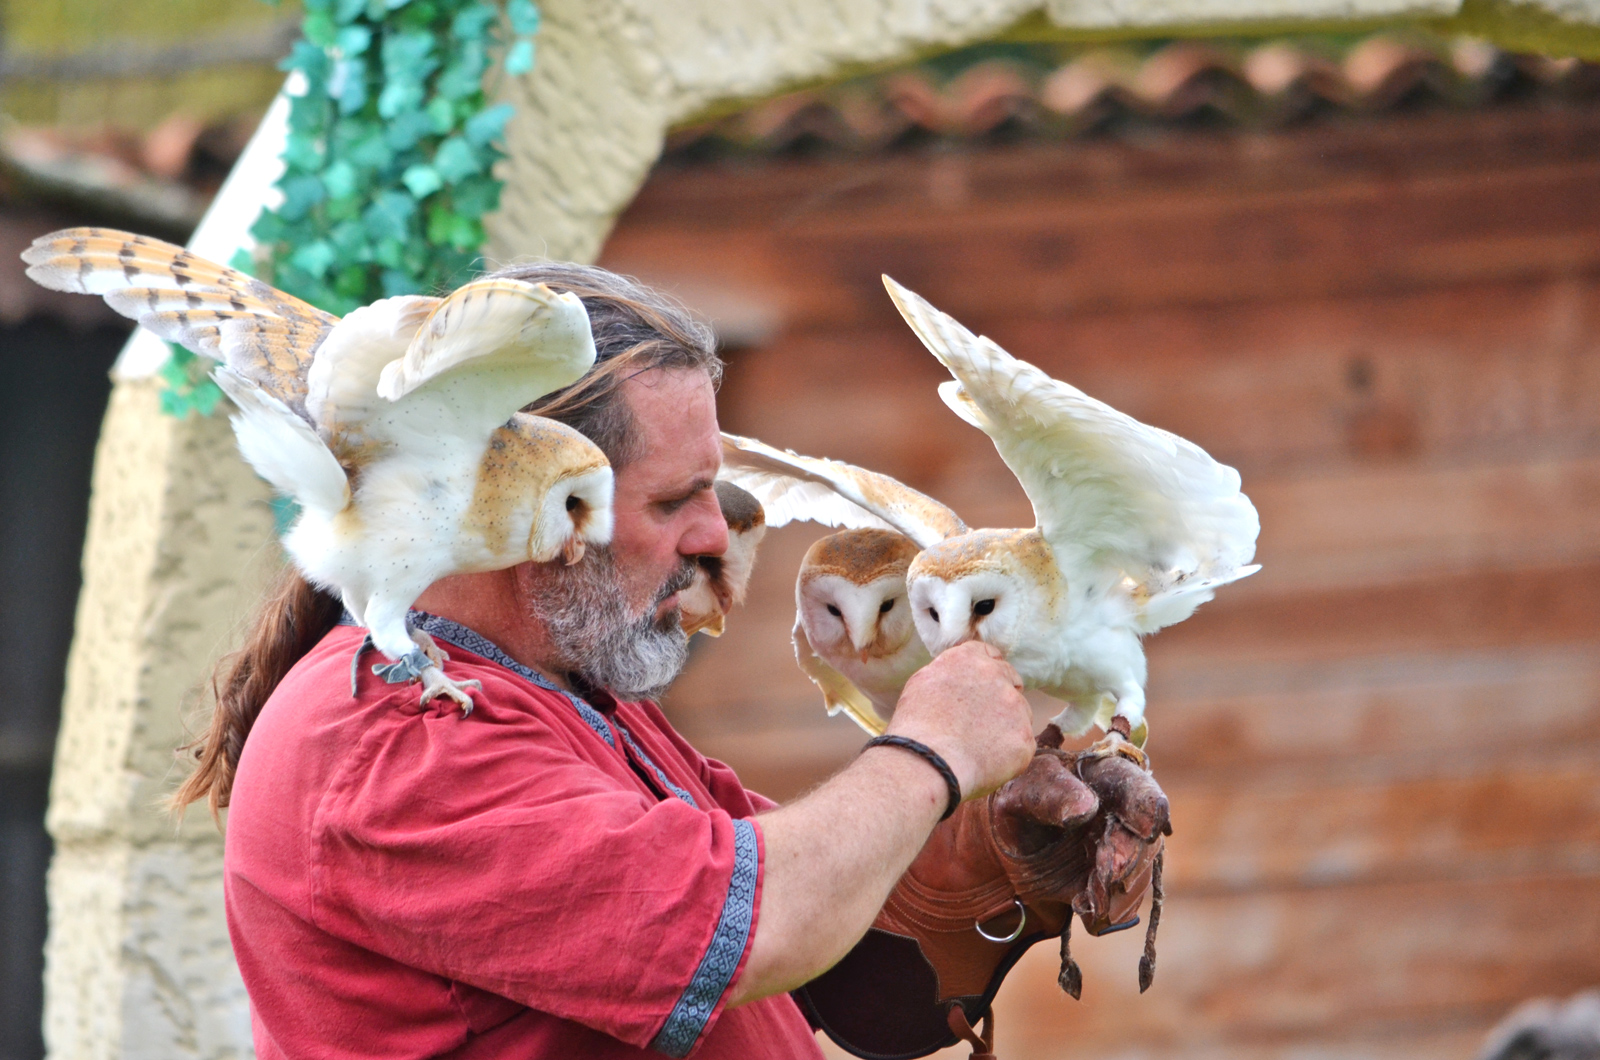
<point x="319" y="29"/>
<point x="300" y="194"/>
<point x="519" y="60"/>
<point x="389" y="216"/>
<point x="348" y="84"/>
<point x="422" y="180"/>
<point x="471" y="23"/>
<point x="476" y="196"/>
<point x="396" y="283"/>
<point x="486" y="126"/>
<point x="408" y="56"/>
<point x="348" y="10"/>
<point x="314" y="258"/>
<point x="407" y="129"/>
<point x="354" y="40"/>
<point x="370" y="152"/>
<point x="308" y="59"/>
<point x="340" y="180"/>
<point x="399" y="97"/>
<point x="441" y="114"/>
<point x="188" y="386"/>
<point x="524" y="17"/>
<point x="455" y="160"/>
<point x="464" y="75"/>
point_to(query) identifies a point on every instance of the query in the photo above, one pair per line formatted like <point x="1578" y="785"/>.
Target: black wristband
<point x="932" y="757"/>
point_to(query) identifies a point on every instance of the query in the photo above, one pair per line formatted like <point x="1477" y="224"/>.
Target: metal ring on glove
<point x="1022" y="912"/>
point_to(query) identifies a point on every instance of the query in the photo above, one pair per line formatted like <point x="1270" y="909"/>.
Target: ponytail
<point x="293" y="618"/>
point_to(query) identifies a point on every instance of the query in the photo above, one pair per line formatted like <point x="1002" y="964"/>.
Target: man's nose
<point x="707" y="532"/>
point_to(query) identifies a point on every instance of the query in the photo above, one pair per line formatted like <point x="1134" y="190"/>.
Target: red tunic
<point x="540" y="879"/>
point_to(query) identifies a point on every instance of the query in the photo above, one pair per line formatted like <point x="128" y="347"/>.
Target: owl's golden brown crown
<point x="862" y="556"/>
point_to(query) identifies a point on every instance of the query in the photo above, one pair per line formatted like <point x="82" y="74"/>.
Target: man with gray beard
<point x="560" y="874"/>
<point x="594" y="638"/>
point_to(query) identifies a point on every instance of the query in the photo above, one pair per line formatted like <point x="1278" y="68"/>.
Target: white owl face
<point x="984" y="604"/>
<point x="844" y="619"/>
<point x="575" y="512"/>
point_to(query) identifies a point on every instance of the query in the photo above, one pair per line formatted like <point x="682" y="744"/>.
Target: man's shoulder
<point x="334" y="687"/>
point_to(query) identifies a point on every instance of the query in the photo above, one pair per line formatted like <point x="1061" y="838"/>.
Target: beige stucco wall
<point x="138" y="963"/>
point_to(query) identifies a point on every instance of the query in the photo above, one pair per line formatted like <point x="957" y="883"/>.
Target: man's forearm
<point x="831" y="860"/>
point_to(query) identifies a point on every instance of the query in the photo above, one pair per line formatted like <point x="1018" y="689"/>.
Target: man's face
<point x="665" y="507"/>
<point x="613" y="618"/>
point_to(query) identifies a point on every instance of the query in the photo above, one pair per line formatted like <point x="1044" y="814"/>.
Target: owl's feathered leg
<point x="430" y="647"/>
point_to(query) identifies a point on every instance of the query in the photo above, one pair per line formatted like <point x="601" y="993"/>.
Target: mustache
<point x="678" y="581"/>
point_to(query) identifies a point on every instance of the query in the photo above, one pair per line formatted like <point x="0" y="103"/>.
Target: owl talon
<point x="1116" y="743"/>
<point x="435" y="685"/>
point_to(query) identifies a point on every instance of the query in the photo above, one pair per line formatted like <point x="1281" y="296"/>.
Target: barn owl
<point x="720" y="581"/>
<point x="853" y="633"/>
<point x="396" y="428"/>
<point x="1136" y="528"/>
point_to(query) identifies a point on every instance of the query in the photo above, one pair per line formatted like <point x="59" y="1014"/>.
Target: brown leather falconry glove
<point x="1076" y="833"/>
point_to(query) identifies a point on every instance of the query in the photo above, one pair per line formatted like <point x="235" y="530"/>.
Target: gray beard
<point x="585" y="614"/>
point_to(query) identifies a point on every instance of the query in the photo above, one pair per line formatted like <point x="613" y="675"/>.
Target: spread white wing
<point x="833" y="493"/>
<point x="1110" y="493"/>
<point x="482" y="353"/>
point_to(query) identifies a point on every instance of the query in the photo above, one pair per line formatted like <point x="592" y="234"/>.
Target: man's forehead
<point x="675" y="412"/>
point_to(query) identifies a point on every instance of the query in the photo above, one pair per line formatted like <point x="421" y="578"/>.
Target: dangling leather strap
<point x="982" y="1044"/>
<point x="1147" y="963"/>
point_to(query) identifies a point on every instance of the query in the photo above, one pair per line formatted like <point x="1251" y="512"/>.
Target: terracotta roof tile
<point x="1266" y="83"/>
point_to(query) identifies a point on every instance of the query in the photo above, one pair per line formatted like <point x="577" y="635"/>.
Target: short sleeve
<point x="506" y="853"/>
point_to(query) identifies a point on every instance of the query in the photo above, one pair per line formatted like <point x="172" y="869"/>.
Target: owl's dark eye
<point x="933" y="614"/>
<point x="834" y="611"/>
<point x="573" y="502"/>
<point x="983" y="607"/>
<point x="887" y="606"/>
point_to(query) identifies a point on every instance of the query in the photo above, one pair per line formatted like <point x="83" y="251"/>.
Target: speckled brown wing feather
<point x="263" y="334"/>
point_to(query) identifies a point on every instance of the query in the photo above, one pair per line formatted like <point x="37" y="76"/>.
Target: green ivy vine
<point x="391" y="147"/>
<point x="388" y="165"/>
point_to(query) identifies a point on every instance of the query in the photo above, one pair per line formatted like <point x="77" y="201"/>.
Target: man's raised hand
<point x="967" y="705"/>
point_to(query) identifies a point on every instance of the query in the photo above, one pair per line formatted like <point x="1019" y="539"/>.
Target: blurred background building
<point x="1365" y="270"/>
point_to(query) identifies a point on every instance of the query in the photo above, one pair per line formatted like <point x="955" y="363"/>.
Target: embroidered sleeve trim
<point x="689" y="1016"/>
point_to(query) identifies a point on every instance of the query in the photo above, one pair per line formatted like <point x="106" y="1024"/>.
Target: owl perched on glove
<point x="396" y="429"/>
<point x="1136" y="528"/>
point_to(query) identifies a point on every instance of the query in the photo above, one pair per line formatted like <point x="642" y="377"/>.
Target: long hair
<point x="635" y="329"/>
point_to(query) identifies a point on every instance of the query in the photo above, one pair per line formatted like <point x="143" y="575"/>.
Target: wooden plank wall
<point x="1383" y="752"/>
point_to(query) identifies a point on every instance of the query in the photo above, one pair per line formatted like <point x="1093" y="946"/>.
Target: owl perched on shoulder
<point x="396" y="429"/>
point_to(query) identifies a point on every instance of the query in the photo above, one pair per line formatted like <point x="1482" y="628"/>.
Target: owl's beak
<point x="573" y="550"/>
